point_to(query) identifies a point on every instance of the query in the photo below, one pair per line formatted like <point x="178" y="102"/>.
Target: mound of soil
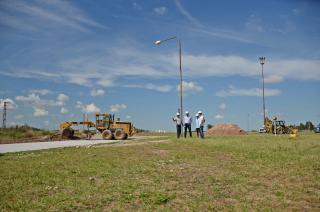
<point x="226" y="129"/>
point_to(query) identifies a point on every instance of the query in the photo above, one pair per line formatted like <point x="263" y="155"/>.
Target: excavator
<point x="104" y="124"/>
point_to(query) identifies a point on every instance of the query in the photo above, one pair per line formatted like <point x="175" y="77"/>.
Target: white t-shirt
<point x="187" y="119"/>
<point x="201" y="120"/>
<point x="177" y="120"/>
<point x="197" y="123"/>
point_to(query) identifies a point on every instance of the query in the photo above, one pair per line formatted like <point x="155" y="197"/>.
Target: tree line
<point x="307" y="126"/>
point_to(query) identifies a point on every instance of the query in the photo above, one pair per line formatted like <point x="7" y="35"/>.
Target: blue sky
<point x="60" y="59"/>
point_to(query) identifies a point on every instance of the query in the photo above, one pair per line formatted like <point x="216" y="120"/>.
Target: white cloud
<point x="133" y="62"/>
<point x="219" y="116"/>
<point x="79" y="80"/>
<point x="30" y="98"/>
<point x="62" y="97"/>
<point x="90" y="108"/>
<point x="79" y="105"/>
<point x="98" y="92"/>
<point x="40" y="105"/>
<point x="222" y="106"/>
<point x="232" y="91"/>
<point x="117" y="107"/>
<point x="273" y="79"/>
<point x="40" y="91"/>
<point x="105" y="82"/>
<point x="184" y="12"/>
<point x="189" y="87"/>
<point x="50" y="15"/>
<point x="9" y="105"/>
<point x="150" y="86"/>
<point x="160" y="10"/>
<point x="38" y="111"/>
<point x="64" y="110"/>
<point x="215" y="32"/>
<point x="34" y="99"/>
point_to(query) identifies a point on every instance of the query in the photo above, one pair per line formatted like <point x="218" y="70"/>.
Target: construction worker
<point x="197" y="125"/>
<point x="187" y="120"/>
<point x="177" y="121"/>
<point x="201" y="123"/>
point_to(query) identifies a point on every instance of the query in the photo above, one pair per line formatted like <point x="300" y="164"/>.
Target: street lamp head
<point x="262" y="60"/>
<point x="158" y="42"/>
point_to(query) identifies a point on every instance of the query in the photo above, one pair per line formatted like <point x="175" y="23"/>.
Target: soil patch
<point x="226" y="129"/>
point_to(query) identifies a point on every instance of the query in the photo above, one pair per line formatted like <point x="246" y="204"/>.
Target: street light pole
<point x="262" y="62"/>
<point x="180" y="67"/>
<point x="158" y="42"/>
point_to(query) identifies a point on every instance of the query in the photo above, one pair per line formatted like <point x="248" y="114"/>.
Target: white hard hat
<point x="199" y="112"/>
<point x="187" y="112"/>
<point x="178" y="114"/>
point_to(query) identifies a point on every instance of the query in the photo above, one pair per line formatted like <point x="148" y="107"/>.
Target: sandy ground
<point x="20" y="147"/>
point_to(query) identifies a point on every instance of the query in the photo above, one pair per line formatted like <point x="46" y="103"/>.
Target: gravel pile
<point x="226" y="129"/>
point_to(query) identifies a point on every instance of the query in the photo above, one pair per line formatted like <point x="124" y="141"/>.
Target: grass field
<point x="244" y="173"/>
<point x="21" y="134"/>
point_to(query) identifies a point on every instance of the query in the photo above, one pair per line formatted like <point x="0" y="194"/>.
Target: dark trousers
<point x="178" y="131"/>
<point x="186" y="128"/>
<point x="201" y="132"/>
<point x="198" y="132"/>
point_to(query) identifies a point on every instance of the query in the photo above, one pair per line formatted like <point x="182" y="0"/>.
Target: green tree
<point x="309" y="125"/>
<point x="301" y="127"/>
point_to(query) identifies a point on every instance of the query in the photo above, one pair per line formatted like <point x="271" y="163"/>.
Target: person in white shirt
<point x="197" y="125"/>
<point x="187" y="124"/>
<point x="201" y="123"/>
<point x="177" y="121"/>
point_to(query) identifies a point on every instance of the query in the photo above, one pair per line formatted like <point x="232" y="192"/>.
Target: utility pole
<point x="262" y="62"/>
<point x="4" y="117"/>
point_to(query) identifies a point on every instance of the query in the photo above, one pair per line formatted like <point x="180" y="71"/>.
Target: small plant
<point x="163" y="198"/>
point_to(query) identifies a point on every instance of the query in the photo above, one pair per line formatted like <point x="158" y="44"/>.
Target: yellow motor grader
<point x="281" y="128"/>
<point x="105" y="124"/>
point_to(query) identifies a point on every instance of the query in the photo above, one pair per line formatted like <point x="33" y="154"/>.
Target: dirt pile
<point x="226" y="129"/>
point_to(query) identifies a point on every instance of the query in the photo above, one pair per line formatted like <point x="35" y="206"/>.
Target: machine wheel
<point x="67" y="133"/>
<point x="107" y="135"/>
<point x="120" y="135"/>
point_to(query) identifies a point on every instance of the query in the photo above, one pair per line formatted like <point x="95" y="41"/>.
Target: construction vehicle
<point x="104" y="124"/>
<point x="279" y="125"/>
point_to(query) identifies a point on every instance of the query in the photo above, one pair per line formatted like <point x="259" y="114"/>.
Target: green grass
<point x="243" y="173"/>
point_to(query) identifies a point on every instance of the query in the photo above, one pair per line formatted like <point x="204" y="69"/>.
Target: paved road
<point x="19" y="147"/>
